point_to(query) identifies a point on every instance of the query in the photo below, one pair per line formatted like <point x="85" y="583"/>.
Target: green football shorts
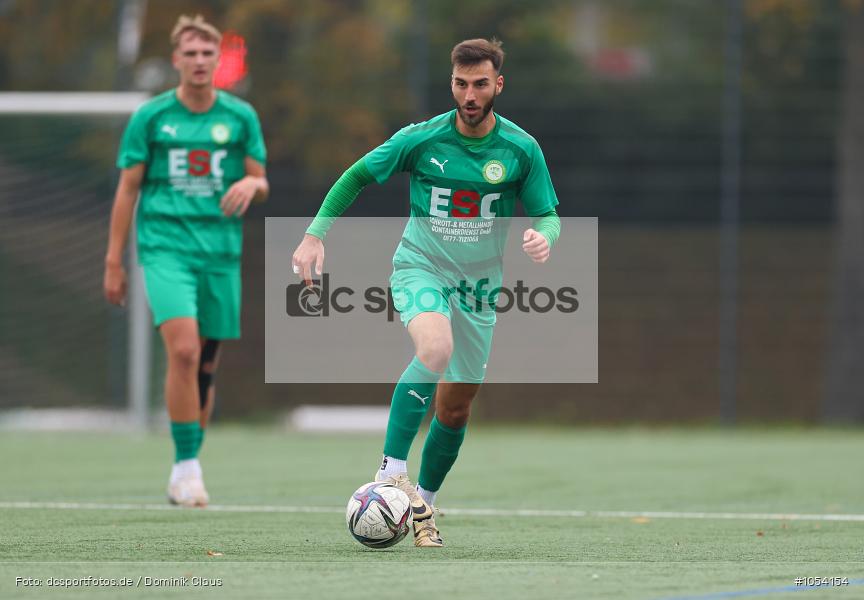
<point x="417" y="290"/>
<point x="212" y="298"/>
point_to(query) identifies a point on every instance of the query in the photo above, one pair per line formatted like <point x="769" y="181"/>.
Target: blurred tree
<point x="56" y="45"/>
<point x="329" y="76"/>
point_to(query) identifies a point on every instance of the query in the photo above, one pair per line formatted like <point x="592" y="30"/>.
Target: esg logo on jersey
<point x="466" y="204"/>
<point x="198" y="163"/>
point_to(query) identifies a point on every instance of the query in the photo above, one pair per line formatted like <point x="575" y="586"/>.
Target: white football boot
<point x="425" y="532"/>
<point x="186" y="486"/>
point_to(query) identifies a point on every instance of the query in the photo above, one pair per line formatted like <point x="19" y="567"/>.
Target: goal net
<point x="62" y="347"/>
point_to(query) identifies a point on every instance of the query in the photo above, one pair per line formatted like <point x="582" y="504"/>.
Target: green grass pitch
<point x="263" y="545"/>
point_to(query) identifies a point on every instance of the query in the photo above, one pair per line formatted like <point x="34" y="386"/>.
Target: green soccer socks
<point x="187" y="439"/>
<point x="200" y="443"/>
<point x="439" y="454"/>
<point x="412" y="397"/>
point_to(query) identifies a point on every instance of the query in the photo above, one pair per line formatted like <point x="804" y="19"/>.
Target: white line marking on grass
<point x="239" y="508"/>
<point x="473" y="512"/>
<point x="729" y="515"/>
<point x="621" y="514"/>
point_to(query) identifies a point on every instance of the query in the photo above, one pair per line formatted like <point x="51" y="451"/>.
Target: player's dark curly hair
<point x="474" y="52"/>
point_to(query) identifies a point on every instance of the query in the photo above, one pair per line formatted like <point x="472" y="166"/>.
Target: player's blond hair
<point x="198" y="25"/>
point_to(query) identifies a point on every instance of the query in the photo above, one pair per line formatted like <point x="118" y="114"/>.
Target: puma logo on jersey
<point x="415" y="394"/>
<point x="172" y="131"/>
<point x="440" y="165"/>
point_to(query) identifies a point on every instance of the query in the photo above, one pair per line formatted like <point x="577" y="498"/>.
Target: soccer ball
<point x="378" y="515"/>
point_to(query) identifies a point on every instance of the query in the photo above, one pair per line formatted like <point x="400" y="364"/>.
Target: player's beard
<point x="478" y="118"/>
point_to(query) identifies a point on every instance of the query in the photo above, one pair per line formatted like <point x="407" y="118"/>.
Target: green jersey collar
<point x="474" y="141"/>
<point x="216" y="102"/>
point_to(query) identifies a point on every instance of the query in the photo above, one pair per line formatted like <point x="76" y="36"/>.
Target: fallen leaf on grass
<point x="214" y="553"/>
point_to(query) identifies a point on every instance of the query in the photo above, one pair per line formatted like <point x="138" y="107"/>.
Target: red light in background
<point x="621" y="64"/>
<point x="232" y="66"/>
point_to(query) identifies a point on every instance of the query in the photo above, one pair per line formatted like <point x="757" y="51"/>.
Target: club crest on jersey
<point x="220" y="133"/>
<point x="494" y="171"/>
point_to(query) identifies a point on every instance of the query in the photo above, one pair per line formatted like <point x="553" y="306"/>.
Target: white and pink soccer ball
<point x="379" y="515"/>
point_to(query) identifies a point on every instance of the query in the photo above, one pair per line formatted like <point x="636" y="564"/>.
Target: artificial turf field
<point x="276" y="528"/>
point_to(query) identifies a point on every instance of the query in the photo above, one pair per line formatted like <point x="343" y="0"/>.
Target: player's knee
<point x="185" y="356"/>
<point x="454" y="417"/>
<point x="435" y="353"/>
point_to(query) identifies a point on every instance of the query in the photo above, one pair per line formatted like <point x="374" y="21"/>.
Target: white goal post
<point x="70" y="103"/>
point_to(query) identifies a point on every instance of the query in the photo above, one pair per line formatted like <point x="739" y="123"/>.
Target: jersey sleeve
<point x="537" y="194"/>
<point x="255" y="147"/>
<point x="135" y="145"/>
<point x="340" y="197"/>
<point x="390" y="157"/>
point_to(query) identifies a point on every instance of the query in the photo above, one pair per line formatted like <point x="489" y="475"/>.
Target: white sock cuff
<point x="428" y="496"/>
<point x="187" y="467"/>
<point x="392" y="466"/>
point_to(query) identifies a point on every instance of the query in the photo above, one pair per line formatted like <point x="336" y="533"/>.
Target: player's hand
<point x="535" y="246"/>
<point x="238" y="197"/>
<point x="309" y="252"/>
<point x="114" y="284"/>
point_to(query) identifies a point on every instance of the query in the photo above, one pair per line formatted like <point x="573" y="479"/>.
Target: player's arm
<point x="339" y="198"/>
<point x="537" y="241"/>
<point x="539" y="199"/>
<point x="252" y="188"/>
<point x="114" y="280"/>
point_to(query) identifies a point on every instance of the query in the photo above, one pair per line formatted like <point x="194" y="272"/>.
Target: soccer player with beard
<point x="196" y="155"/>
<point x="468" y="168"/>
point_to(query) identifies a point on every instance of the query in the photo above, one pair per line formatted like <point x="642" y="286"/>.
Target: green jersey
<point x="463" y="190"/>
<point x="191" y="160"/>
